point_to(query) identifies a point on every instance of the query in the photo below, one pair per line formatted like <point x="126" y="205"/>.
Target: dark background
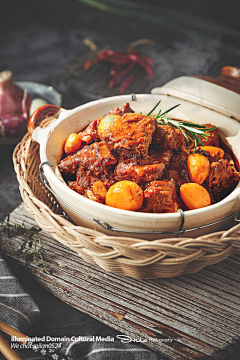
<point x="40" y="39"/>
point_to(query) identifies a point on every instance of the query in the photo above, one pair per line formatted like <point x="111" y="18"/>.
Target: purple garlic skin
<point x="12" y="125"/>
<point x="14" y="107"/>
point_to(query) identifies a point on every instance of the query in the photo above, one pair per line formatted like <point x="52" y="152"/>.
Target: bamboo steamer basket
<point x="128" y="254"/>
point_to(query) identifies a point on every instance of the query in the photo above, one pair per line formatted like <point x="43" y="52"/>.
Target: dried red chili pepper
<point x="126" y="83"/>
<point x="144" y="61"/>
<point x="88" y="64"/>
<point x="122" y="64"/>
<point x="120" y="76"/>
<point x="147" y="59"/>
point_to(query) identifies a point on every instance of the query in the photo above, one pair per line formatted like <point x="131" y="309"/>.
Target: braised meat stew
<point x="132" y="162"/>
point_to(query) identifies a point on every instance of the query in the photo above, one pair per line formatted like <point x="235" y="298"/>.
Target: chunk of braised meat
<point x="212" y="139"/>
<point x="125" y="109"/>
<point x="98" y="158"/>
<point x="222" y="178"/>
<point x="142" y="170"/>
<point x="130" y="135"/>
<point x="94" y="158"/>
<point x="211" y="157"/>
<point x="90" y="133"/>
<point x="157" y="155"/>
<point x="133" y="171"/>
<point x="86" y="178"/>
<point x="85" y="183"/>
<point x="160" y="197"/>
<point x="177" y="170"/>
<point x="69" y="166"/>
<point x="171" y="138"/>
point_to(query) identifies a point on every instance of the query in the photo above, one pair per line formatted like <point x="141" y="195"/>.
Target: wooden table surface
<point x="184" y="318"/>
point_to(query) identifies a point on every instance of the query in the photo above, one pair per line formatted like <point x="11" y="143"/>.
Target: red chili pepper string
<point x="126" y="83"/>
<point x="148" y="60"/>
<point x="142" y="62"/>
<point x="114" y="69"/>
<point x="113" y="59"/>
<point x="122" y="64"/>
<point x="88" y="64"/>
<point x="120" y="76"/>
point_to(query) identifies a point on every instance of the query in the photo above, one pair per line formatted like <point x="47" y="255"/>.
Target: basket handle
<point x="40" y="114"/>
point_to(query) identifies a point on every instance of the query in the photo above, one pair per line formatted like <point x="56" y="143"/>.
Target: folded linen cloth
<point x="18" y="310"/>
<point x="107" y="351"/>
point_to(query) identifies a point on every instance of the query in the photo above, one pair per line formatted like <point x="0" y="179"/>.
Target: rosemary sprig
<point x="196" y="131"/>
<point x="32" y="249"/>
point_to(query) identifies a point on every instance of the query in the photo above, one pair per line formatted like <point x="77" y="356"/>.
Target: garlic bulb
<point x="36" y="103"/>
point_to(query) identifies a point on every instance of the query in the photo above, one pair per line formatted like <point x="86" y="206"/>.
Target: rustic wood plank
<point x="199" y="312"/>
<point x="129" y="301"/>
<point x="110" y="311"/>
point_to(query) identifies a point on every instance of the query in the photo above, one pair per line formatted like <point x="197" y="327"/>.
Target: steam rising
<point x="183" y="59"/>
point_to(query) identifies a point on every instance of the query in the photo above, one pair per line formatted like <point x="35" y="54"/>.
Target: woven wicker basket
<point x="131" y="257"/>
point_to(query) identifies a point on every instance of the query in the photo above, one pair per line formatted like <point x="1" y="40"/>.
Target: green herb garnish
<point x="32" y="249"/>
<point x="196" y="131"/>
